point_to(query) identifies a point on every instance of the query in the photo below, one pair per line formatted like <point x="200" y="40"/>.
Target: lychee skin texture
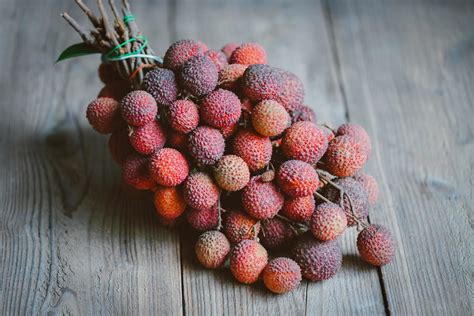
<point x="247" y="261"/>
<point x="198" y="75"/>
<point x="168" y="167"/>
<point x="254" y="149"/>
<point x="162" y="85"/>
<point x="357" y="132"/>
<point x="119" y="146"/>
<point x="291" y="95"/>
<point x="299" y="209"/>
<point x="297" y="178"/>
<point x="358" y="199"/>
<point x="260" y="199"/>
<point x="304" y="141"/>
<point x="179" y="52"/>
<point x="200" y="191"/>
<point x="375" y="245"/>
<point x="231" y="173"/>
<point x="370" y="185"/>
<point x="229" y="131"/>
<point x="303" y="114"/>
<point x="249" y="54"/>
<point x="269" y="118"/>
<point x="281" y="275"/>
<point x="135" y="172"/>
<point x="318" y="260"/>
<point x="229" y="48"/>
<point x="220" y="108"/>
<point x="108" y="73"/>
<point x="239" y="226"/>
<point x="183" y="116"/>
<point x="169" y="202"/>
<point x="148" y="138"/>
<point x="206" y="145"/>
<point x="203" y="220"/>
<point x="230" y="77"/>
<point x="261" y="82"/>
<point x="218" y="58"/>
<point x="275" y="233"/>
<point x="345" y="156"/>
<point x="138" y="108"/>
<point x="104" y="115"/>
<point x="211" y="249"/>
<point x="328" y="221"/>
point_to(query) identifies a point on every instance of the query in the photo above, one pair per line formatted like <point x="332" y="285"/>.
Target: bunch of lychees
<point x="225" y="141"/>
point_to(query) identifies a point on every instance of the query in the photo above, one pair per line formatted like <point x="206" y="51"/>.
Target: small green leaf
<point x="77" y="50"/>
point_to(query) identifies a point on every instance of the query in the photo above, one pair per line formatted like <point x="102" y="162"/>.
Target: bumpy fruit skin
<point x="247" y="261"/>
<point x="304" y="141"/>
<point x="119" y="146"/>
<point x="231" y="173"/>
<point x="318" y="260"/>
<point x="230" y="77"/>
<point x="357" y="132"/>
<point x="138" y="108"/>
<point x="169" y="202"/>
<point x="299" y="209"/>
<point x="261" y="82"/>
<point x="162" y="85"/>
<point x="115" y="90"/>
<point x="179" y="52"/>
<point x="275" y="233"/>
<point x="281" y="275"/>
<point x="229" y="48"/>
<point x="291" y="95"/>
<point x="345" y="156"/>
<point x="206" y="145"/>
<point x="200" y="191"/>
<point x="135" y="172"/>
<point x="370" y="185"/>
<point x="108" y="73"/>
<point x="328" y="221"/>
<point x="297" y="178"/>
<point x="254" y="149"/>
<point x="104" y="115"/>
<point x="148" y="138"/>
<point x="239" y="226"/>
<point x="229" y="131"/>
<point x="203" y="220"/>
<point x="358" y="199"/>
<point x="220" y="108"/>
<point x="249" y="54"/>
<point x="269" y="118"/>
<point x="375" y="245"/>
<point x="260" y="199"/>
<point x="183" y="116"/>
<point x="198" y="75"/>
<point x="211" y="249"/>
<point x="303" y="114"/>
<point x="177" y="140"/>
<point x="168" y="167"/>
<point x="218" y="58"/>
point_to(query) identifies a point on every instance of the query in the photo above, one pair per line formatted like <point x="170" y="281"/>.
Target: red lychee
<point x="239" y="226"/>
<point x="206" y="145"/>
<point x="203" y="220"/>
<point x="269" y="118"/>
<point x="299" y="209"/>
<point x="229" y="131"/>
<point x="179" y="52"/>
<point x="375" y="245"/>
<point x="148" y="138"/>
<point x="231" y="173"/>
<point x="358" y="133"/>
<point x="262" y="82"/>
<point x="183" y="116"/>
<point x="168" y="167"/>
<point x="291" y="94"/>
<point x="261" y="199"/>
<point x="220" y="108"/>
<point x="119" y="146"/>
<point x="230" y="77"/>
<point x="104" y="115"/>
<point x="211" y="249"/>
<point x="254" y="149"/>
<point x="218" y="58"/>
<point x="162" y="85"/>
<point x="176" y="140"/>
<point x="297" y="178"/>
<point x="281" y="275"/>
<point x="198" y="75"/>
<point x="247" y="261"/>
<point x="169" y="202"/>
<point x="328" y="221"/>
<point x="135" y="172"/>
<point x="303" y="114"/>
<point x="200" y="191"/>
<point x="304" y="141"/>
<point x="345" y="156"/>
<point x="249" y="54"/>
<point x="275" y="233"/>
<point x="370" y="185"/>
<point x="203" y="46"/>
<point x="138" y="108"/>
<point x="229" y="48"/>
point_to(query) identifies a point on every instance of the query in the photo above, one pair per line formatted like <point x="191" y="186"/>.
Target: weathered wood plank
<point x="407" y="69"/>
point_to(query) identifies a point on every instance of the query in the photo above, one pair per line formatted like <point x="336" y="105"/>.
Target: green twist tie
<point x="114" y="54"/>
<point x="128" y="18"/>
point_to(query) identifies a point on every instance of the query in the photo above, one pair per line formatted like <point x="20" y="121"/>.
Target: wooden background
<point x="72" y="243"/>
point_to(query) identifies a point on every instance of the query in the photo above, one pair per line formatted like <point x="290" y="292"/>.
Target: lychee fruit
<point x="169" y="202"/>
<point x="203" y="220"/>
<point x="370" y="185"/>
<point x="275" y="233"/>
<point x="303" y="114"/>
<point x="162" y="85"/>
<point x="206" y="145"/>
<point x="328" y="221"/>
<point x="261" y="82"/>
<point x="297" y="178"/>
<point x="254" y="149"/>
<point x="168" y="167"/>
<point x="231" y="173"/>
<point x="260" y="199"/>
<point x="220" y="108"/>
<point x="176" y="140"/>
<point x="304" y="141"/>
<point x="298" y="209"/>
<point x="229" y="131"/>
<point x="239" y="226"/>
<point x="247" y="261"/>
<point x="212" y="248"/>
<point x="229" y="48"/>
<point x="218" y="58"/>
<point x="269" y="118"/>
<point x="198" y="75"/>
<point x="200" y="191"/>
<point x="179" y="52"/>
<point x="230" y="77"/>
<point x="358" y="133"/>
<point x="249" y="54"/>
<point x="115" y="90"/>
<point x="135" y="172"/>
<point x="148" y="138"/>
<point x="281" y="275"/>
<point x="108" y="73"/>
<point x="318" y="260"/>
<point x="183" y="116"/>
<point x="203" y="46"/>
<point x="119" y="146"/>
<point x="138" y="108"/>
<point x="104" y="115"/>
<point x="375" y="245"/>
<point x="291" y="94"/>
<point x="345" y="156"/>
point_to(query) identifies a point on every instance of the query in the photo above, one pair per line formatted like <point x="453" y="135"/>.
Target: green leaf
<point x="77" y="50"/>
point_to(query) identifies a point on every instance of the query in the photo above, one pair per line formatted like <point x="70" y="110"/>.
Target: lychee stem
<point x="298" y="228"/>
<point x="326" y="125"/>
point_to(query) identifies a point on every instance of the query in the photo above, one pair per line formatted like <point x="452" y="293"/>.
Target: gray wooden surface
<point x="71" y="241"/>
